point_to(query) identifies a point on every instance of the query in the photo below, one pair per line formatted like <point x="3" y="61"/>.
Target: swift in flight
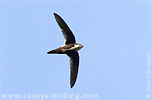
<point x="70" y="48"/>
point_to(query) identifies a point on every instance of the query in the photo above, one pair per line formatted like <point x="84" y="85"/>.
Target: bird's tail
<point x="52" y="52"/>
<point x="56" y="51"/>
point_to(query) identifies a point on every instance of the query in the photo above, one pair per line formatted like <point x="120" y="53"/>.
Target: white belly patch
<point x="76" y="48"/>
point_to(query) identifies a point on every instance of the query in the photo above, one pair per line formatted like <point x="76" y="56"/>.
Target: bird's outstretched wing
<point x="74" y="66"/>
<point x="68" y="35"/>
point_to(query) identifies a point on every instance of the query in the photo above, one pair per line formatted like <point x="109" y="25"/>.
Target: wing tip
<point x="57" y="17"/>
<point x="54" y="13"/>
<point x="72" y="85"/>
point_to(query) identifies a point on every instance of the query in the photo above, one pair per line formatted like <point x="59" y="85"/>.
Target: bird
<point x="70" y="48"/>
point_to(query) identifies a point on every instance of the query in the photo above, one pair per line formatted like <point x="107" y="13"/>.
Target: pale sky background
<point x="116" y="37"/>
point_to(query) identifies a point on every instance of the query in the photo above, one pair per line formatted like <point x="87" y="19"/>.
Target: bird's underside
<point x="62" y="50"/>
<point x="66" y="48"/>
<point x="70" y="49"/>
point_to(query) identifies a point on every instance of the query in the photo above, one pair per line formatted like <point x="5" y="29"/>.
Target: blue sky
<point x="116" y="37"/>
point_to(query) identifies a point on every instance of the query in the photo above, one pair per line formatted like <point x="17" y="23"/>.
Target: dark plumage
<point x="70" y="48"/>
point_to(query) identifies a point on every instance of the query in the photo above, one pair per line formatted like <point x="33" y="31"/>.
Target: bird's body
<point x="70" y="48"/>
<point x="66" y="48"/>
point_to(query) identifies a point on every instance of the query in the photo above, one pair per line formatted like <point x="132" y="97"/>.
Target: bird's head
<point x="78" y="46"/>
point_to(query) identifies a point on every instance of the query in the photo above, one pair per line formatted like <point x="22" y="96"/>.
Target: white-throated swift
<point x="70" y="48"/>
